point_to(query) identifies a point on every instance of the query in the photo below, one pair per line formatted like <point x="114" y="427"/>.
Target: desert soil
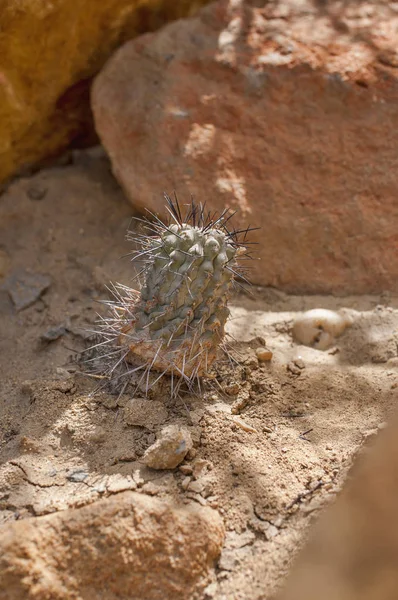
<point x="273" y="441"/>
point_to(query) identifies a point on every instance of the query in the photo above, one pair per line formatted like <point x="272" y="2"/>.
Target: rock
<point x="320" y="327"/>
<point x="275" y="117"/>
<point x="170" y="448"/>
<point x="77" y="476"/>
<point x="263" y="354"/>
<point x="54" y="333"/>
<point x="25" y="288"/>
<point x="352" y="552"/>
<point x="49" y="53"/>
<point x="145" y="413"/>
<point x="232" y="389"/>
<point x="200" y="467"/>
<point x="129" y="546"/>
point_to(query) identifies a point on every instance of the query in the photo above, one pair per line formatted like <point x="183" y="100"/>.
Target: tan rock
<point x="128" y="546"/>
<point x="352" y="553"/>
<point x="49" y="52"/>
<point x="170" y="448"/>
<point x="263" y="354"/>
<point x="276" y="117"/>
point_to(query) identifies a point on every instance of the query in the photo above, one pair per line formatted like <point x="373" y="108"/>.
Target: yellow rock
<point x="49" y="51"/>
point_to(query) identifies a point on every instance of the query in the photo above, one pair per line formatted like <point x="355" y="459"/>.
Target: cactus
<point x="175" y="324"/>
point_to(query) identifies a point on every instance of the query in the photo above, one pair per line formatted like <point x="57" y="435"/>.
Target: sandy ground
<point x="272" y="441"/>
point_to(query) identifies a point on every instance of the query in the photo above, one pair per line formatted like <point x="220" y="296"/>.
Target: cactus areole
<point x="176" y="323"/>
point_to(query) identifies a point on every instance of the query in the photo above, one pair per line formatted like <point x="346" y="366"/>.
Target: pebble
<point x="170" y="448"/>
<point x="232" y="389"/>
<point x="263" y="354"/>
<point x="196" y="486"/>
<point x="186" y="469"/>
<point x="293" y="369"/>
<point x="299" y="362"/>
<point x="201" y="466"/>
<point x="25" y="288"/>
<point x="243" y="425"/>
<point x="185" y="483"/>
<point x="77" y="476"/>
<point x="54" y="333"/>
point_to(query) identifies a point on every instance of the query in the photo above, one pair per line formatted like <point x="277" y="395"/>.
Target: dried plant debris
<point x="174" y="325"/>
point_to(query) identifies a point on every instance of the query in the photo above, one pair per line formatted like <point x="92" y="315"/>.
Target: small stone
<point x="191" y="454"/>
<point x="263" y="354"/>
<point x="37" y="192"/>
<point x="201" y="466"/>
<point x="232" y="389"/>
<point x="293" y="369"/>
<point x="186" y="469"/>
<point x="25" y="288"/>
<point x="243" y="425"/>
<point x="151" y="488"/>
<point x="196" y="486"/>
<point x="145" y="413"/>
<point x="196" y="416"/>
<point x="170" y="448"/>
<point x="267" y="429"/>
<point x="299" y="362"/>
<point x="284" y="450"/>
<point x="77" y="476"/>
<point x="185" y="483"/>
<point x="54" y="333"/>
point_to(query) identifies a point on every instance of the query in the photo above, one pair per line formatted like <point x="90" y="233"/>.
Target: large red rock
<point x="287" y="112"/>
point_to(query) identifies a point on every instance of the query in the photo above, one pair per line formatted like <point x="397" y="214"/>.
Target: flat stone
<point x="25" y="288"/>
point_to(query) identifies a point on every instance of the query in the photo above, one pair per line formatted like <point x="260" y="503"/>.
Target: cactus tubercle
<point x="175" y="324"/>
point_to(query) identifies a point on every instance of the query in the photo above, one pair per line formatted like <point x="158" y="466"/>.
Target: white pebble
<point x="319" y="327"/>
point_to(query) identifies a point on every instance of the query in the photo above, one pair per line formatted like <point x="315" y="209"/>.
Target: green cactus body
<point x="178" y="322"/>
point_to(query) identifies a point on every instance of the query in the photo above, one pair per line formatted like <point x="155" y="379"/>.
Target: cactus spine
<point x="175" y="324"/>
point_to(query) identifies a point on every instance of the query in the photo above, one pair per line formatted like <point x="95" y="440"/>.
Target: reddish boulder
<point x="287" y="112"/>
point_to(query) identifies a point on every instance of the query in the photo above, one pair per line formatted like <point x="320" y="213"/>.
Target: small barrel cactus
<point x="175" y="324"/>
